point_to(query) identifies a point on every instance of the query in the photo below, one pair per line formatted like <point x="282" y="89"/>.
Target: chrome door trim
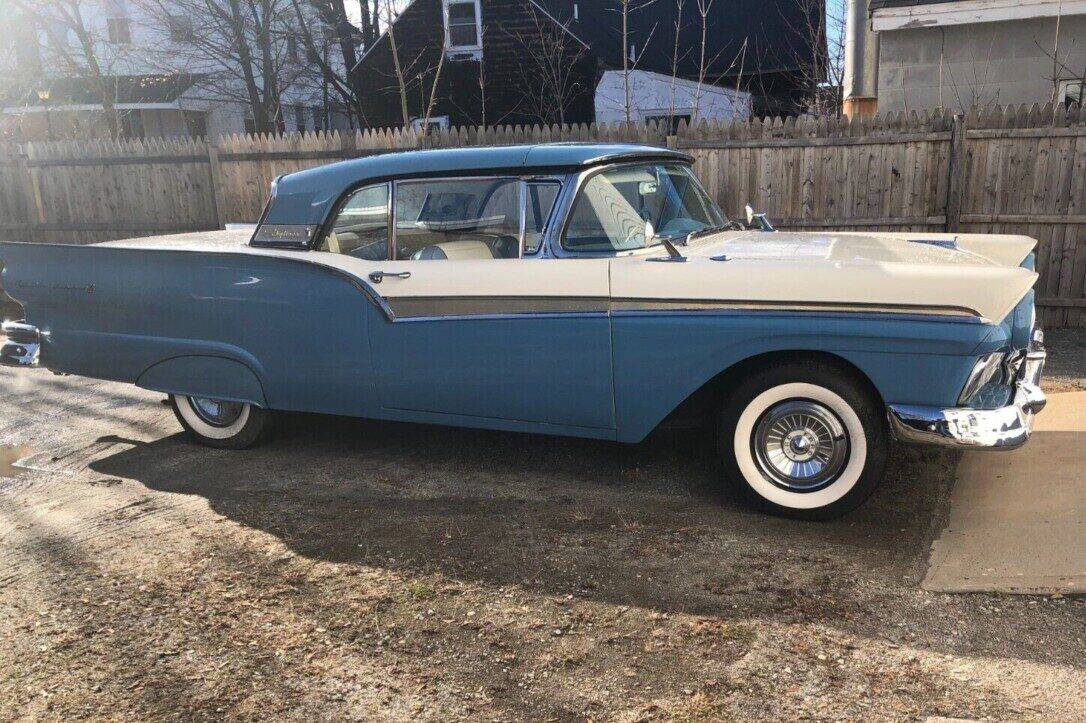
<point x="573" y="189"/>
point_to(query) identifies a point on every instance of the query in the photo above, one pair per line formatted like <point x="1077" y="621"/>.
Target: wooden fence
<point x="1010" y="170"/>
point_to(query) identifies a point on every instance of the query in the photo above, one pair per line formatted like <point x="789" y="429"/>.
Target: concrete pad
<point x="1018" y="519"/>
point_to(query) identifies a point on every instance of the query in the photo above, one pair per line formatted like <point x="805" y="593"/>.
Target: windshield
<point x="636" y="206"/>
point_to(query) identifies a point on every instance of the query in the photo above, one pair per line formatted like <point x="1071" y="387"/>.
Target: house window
<point x="59" y="35"/>
<point x="318" y="118"/>
<point x="463" y="27"/>
<point x="314" y="48"/>
<point x="195" y="123"/>
<point x="1073" y="91"/>
<point x="180" y="28"/>
<point x="27" y="50"/>
<point x="670" y="120"/>
<point x="119" y="31"/>
<point x="438" y="122"/>
<point x="132" y="124"/>
<point x="299" y="117"/>
<point x="250" y="125"/>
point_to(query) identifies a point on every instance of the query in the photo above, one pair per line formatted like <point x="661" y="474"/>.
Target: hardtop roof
<point x="305" y="197"/>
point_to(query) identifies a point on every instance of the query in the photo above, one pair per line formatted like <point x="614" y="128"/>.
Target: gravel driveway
<point x="354" y="570"/>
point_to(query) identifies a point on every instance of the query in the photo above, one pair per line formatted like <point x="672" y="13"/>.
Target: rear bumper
<point x="1004" y="428"/>
<point x="22" y="346"/>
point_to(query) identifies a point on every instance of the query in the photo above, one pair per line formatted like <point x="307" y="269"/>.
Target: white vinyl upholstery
<point x="455" y="251"/>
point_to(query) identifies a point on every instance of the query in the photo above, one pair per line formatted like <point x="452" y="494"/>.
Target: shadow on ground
<point x="645" y="525"/>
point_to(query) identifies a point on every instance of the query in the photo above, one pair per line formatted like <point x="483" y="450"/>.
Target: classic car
<point x="568" y="289"/>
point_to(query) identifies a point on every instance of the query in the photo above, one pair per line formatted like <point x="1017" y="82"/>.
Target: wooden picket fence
<point x="1003" y="170"/>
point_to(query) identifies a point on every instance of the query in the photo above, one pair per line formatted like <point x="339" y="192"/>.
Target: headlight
<point x="991" y="374"/>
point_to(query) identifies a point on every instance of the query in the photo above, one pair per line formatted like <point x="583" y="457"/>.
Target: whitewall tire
<point x="806" y="440"/>
<point x="217" y="423"/>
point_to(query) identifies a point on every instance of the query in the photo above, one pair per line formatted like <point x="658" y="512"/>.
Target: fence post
<point x="956" y="171"/>
<point x="35" y="209"/>
<point x="218" y="211"/>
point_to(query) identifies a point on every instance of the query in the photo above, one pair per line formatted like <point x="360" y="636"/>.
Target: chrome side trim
<point x="404" y="307"/>
<point x="23" y="345"/>
<point x="960" y="427"/>
<point x="509" y="316"/>
<point x="736" y="304"/>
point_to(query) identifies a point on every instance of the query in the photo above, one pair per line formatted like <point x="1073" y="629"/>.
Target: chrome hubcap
<point x="800" y="445"/>
<point x="215" y="412"/>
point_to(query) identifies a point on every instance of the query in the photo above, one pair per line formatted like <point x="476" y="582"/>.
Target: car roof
<point x="305" y="197"/>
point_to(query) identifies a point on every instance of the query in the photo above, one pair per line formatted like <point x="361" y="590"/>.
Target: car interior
<point x="440" y="219"/>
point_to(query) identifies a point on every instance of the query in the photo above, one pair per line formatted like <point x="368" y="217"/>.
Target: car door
<point x="477" y="328"/>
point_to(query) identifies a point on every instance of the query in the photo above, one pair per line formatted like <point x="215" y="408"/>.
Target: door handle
<point x="379" y="276"/>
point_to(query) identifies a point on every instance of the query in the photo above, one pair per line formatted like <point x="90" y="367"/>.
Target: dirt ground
<point x="353" y="570"/>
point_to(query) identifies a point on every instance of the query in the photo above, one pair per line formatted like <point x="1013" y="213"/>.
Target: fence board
<point x="1010" y="170"/>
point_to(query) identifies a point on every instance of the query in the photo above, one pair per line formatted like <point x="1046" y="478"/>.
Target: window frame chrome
<point x="558" y="250"/>
<point x="548" y="222"/>
<point x="330" y="225"/>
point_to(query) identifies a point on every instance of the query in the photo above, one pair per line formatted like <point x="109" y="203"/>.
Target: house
<point x="488" y="62"/>
<point x="151" y="61"/>
<point x="960" y="54"/>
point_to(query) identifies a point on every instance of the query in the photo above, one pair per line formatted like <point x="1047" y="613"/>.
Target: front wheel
<point x="804" y="440"/>
<point x="221" y="424"/>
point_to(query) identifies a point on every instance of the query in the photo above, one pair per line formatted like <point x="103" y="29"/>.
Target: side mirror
<point x="763" y="222"/>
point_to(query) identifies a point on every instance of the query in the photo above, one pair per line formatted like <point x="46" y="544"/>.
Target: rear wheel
<point x="804" y="440"/>
<point x="222" y="424"/>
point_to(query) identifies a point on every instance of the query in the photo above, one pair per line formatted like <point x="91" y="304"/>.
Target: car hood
<point x="966" y="274"/>
<point x="869" y="248"/>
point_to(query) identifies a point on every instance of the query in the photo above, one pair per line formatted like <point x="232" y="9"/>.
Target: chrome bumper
<point x="1004" y="428"/>
<point x="22" y="346"/>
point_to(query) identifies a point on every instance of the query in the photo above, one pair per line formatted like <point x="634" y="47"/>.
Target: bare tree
<point x="433" y="86"/>
<point x="550" y="56"/>
<point x="815" y="47"/>
<point x="1060" y="70"/>
<point x="704" y="6"/>
<point x="334" y="29"/>
<point x="390" y="18"/>
<point x="675" y="58"/>
<point x="62" y="20"/>
<point x="239" y="48"/>
<point x="630" y="57"/>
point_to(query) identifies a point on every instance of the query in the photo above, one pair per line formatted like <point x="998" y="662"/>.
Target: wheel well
<point x="707" y="400"/>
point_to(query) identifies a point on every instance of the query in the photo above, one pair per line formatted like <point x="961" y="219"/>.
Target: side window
<point x="637" y="206"/>
<point x="361" y="226"/>
<point x="541" y="196"/>
<point x="458" y="219"/>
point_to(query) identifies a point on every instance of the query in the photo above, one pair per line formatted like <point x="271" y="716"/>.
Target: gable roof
<point x="878" y="4"/>
<point x="76" y="91"/>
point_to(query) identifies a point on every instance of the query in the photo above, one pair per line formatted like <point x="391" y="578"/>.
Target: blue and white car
<point x="568" y="289"/>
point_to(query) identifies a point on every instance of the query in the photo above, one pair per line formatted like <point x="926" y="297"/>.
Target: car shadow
<point x="647" y="524"/>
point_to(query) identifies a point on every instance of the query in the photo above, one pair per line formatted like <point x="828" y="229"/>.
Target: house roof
<point x="128" y="90"/>
<point x="879" y="4"/>
<point x="306" y="197"/>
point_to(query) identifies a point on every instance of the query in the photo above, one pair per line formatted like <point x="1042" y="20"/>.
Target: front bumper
<point x="23" y="345"/>
<point x="1004" y="428"/>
